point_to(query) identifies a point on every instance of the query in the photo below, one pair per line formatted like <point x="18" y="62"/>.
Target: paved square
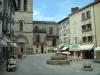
<point x="36" y="65"/>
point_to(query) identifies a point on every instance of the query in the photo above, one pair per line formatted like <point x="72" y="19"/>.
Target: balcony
<point x="52" y="36"/>
<point x="39" y="31"/>
<point x="84" y="19"/>
<point x="87" y="30"/>
<point x="40" y="43"/>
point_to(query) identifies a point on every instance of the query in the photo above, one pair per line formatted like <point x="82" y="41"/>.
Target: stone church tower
<point x="24" y="26"/>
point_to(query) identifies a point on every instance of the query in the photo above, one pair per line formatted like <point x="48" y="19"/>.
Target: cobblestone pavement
<point x="36" y="65"/>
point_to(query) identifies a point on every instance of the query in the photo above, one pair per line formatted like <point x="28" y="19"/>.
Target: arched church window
<point x="38" y="38"/>
<point x="50" y="30"/>
<point x="21" y="22"/>
<point x="19" y="4"/>
<point x="36" y="28"/>
<point x="25" y="5"/>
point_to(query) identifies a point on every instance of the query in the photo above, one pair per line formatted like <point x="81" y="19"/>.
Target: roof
<point x="90" y="4"/>
<point x="44" y="22"/>
<point x="63" y="20"/>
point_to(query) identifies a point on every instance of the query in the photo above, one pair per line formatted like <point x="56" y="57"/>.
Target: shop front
<point x="75" y="50"/>
<point x="97" y="52"/>
<point x="88" y="51"/>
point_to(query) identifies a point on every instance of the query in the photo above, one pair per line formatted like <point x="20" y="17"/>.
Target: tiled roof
<point x="90" y="4"/>
<point x="63" y="20"/>
<point x="44" y="22"/>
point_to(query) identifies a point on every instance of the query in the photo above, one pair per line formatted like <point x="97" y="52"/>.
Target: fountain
<point x="58" y="59"/>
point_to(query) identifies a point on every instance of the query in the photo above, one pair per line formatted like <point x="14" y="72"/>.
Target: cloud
<point x="39" y="16"/>
<point x="36" y="13"/>
<point x="60" y="13"/>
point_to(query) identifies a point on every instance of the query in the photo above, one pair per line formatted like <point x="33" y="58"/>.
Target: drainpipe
<point x="95" y="54"/>
<point x="95" y="27"/>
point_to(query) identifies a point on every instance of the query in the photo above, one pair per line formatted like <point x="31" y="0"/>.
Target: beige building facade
<point x="96" y="12"/>
<point x="84" y="28"/>
<point x="45" y="36"/>
<point x="64" y="31"/>
<point x="75" y="28"/>
<point x="24" y="26"/>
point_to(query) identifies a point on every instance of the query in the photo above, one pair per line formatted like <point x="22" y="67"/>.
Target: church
<point x="24" y="26"/>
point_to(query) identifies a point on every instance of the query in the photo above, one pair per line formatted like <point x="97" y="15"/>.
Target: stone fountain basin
<point x="58" y="62"/>
<point x="61" y="57"/>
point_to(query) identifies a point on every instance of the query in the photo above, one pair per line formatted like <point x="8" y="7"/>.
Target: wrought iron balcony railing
<point x="39" y="31"/>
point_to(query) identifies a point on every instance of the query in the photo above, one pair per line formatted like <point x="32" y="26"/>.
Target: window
<point x="9" y="10"/>
<point x="19" y="4"/>
<point x="6" y="8"/>
<point x="51" y="30"/>
<point x="37" y="46"/>
<point x="38" y="38"/>
<point x="54" y="42"/>
<point x="60" y="33"/>
<point x="8" y="27"/>
<point x="59" y="26"/>
<point x="25" y="5"/>
<point x="65" y="32"/>
<point x="83" y="16"/>
<point x="84" y="39"/>
<point x="0" y="28"/>
<point x="75" y="39"/>
<point x="89" y="26"/>
<point x="88" y="14"/>
<point x="64" y="40"/>
<point x="36" y="28"/>
<point x="21" y="25"/>
<point x="4" y="25"/>
<point x="89" y="38"/>
<point x="83" y="27"/>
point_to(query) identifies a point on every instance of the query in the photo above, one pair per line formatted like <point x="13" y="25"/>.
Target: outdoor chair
<point x="80" y="58"/>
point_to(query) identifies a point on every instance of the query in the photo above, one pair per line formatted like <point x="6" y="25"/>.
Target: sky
<point x="55" y="10"/>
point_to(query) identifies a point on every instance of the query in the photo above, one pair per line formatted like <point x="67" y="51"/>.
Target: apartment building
<point x="84" y="28"/>
<point x="75" y="26"/>
<point x="7" y="23"/>
<point x="96" y="12"/>
<point x="64" y="31"/>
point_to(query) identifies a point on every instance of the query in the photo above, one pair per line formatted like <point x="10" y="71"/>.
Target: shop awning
<point x="86" y="47"/>
<point x="13" y="45"/>
<point x="97" y="49"/>
<point x="3" y="43"/>
<point x="64" y="48"/>
<point x="74" y="47"/>
<point x="59" y="46"/>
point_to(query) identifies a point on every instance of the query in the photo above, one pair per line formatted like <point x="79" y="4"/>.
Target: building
<point x="96" y="12"/>
<point x="45" y="36"/>
<point x="75" y="26"/>
<point x="64" y="31"/>
<point x="84" y="28"/>
<point x="24" y="26"/>
<point x="7" y="23"/>
<point x="87" y="28"/>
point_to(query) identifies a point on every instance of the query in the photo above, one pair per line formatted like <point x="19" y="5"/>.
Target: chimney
<point x="97" y="0"/>
<point x="74" y="9"/>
